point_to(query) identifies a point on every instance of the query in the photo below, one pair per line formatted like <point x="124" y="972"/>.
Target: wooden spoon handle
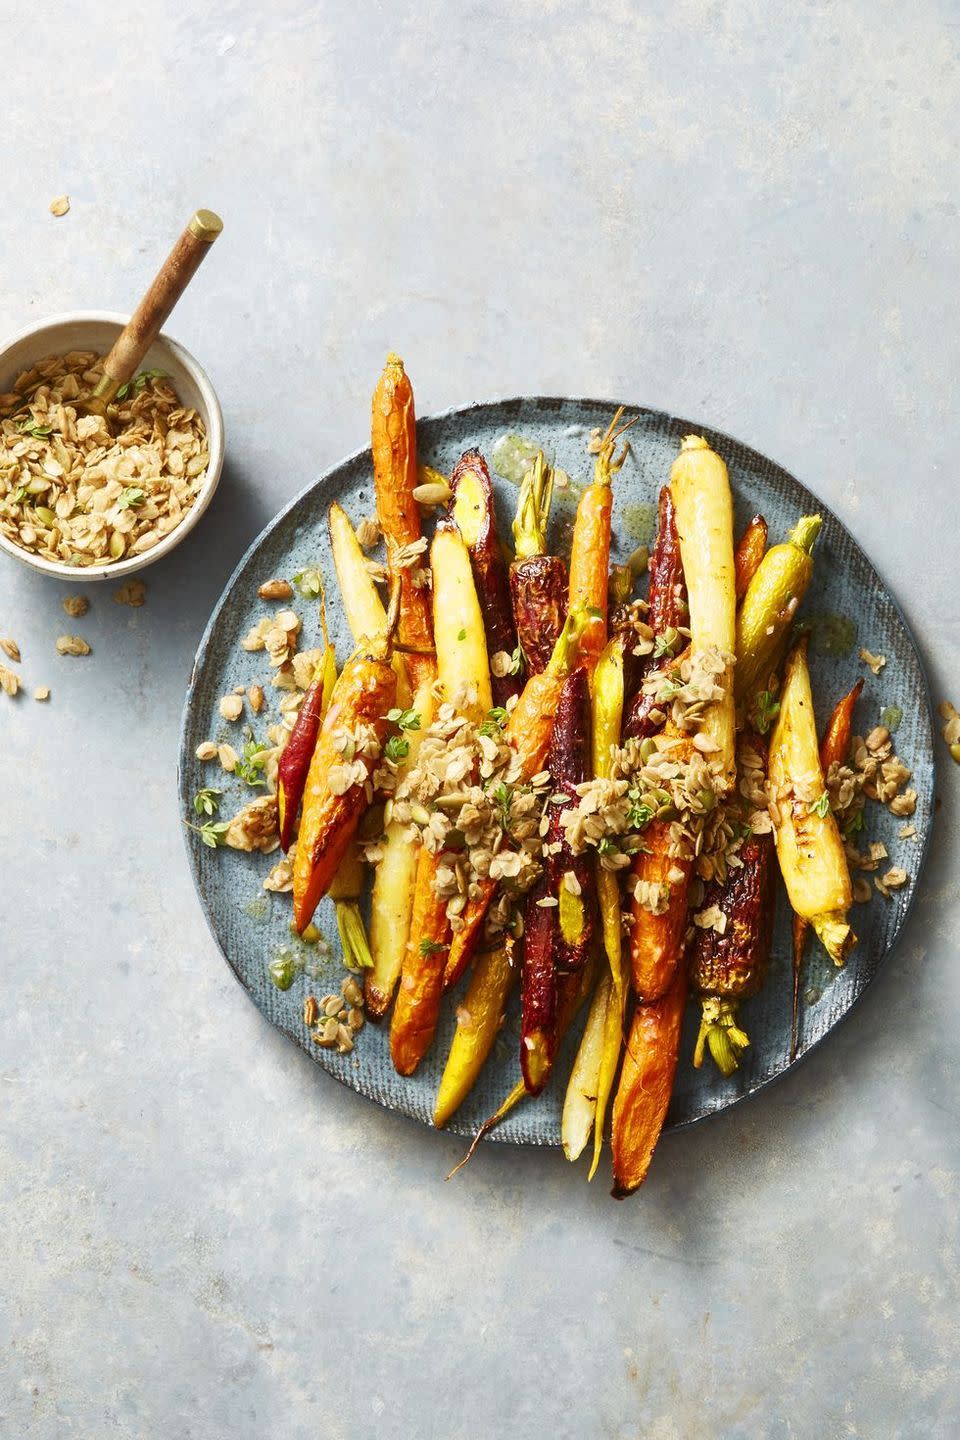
<point x="168" y="285"/>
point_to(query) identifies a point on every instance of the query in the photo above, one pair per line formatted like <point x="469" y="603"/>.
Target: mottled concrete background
<point x="745" y="212"/>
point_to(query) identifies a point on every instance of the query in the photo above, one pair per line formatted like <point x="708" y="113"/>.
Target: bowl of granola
<point x="85" y="501"/>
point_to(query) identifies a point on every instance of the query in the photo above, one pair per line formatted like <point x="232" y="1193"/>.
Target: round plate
<point x="250" y="926"/>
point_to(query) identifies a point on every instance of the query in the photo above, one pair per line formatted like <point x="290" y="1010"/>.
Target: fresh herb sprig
<point x="207" y="802"/>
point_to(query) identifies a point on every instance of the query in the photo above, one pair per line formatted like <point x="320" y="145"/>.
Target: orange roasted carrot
<point x="417" y="1004"/>
<point x="646" y="1081"/>
<point x="366" y="690"/>
<point x="528" y="730"/>
<point x="748" y="554"/>
<point x="833" y="749"/>
<point x="590" y="554"/>
<point x="659" y="884"/>
<point x="393" y="437"/>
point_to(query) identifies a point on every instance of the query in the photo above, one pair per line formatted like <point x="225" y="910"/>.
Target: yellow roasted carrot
<point x="812" y="859"/>
<point x="580" y="1101"/>
<point x="704" y="511"/>
<point x="362" y="605"/>
<point x="394" y="883"/>
<point x="608" y="701"/>
<point x="768" y="607"/>
<point x="479" y="1017"/>
<point x="594" y="1070"/>
<point x="463" y="667"/>
<point x="345" y="891"/>
<point x="572" y="992"/>
<point x="391" y="902"/>
<point x="833" y="750"/>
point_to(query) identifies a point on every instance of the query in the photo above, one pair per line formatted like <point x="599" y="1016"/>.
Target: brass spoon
<point x="147" y="320"/>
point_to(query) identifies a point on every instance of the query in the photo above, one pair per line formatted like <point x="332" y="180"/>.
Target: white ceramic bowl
<point x="97" y="330"/>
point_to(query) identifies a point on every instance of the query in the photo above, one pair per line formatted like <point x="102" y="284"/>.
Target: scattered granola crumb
<point x="133" y="593"/>
<point x="908" y="832"/>
<point x="873" y="662"/>
<point x="255" y="695"/>
<point x="311" y="1010"/>
<point x="72" y="645"/>
<point x="231" y="707"/>
<point x="276" y="590"/>
<point x="60" y="205"/>
<point x="228" y="757"/>
<point x="255" y="826"/>
<point x="76" y="606"/>
<point x="895" y="877"/>
<point x="42" y="692"/>
<point x="861" y="890"/>
<point x="11" y="649"/>
<point x="9" y="682"/>
<point x="256" y="638"/>
<point x="368" y="533"/>
<point x="206" y="750"/>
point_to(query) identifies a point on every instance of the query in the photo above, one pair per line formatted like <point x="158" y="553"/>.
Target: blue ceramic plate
<point x="250" y="926"/>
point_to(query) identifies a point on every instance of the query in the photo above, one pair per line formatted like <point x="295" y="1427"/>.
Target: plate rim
<point x="671" y="420"/>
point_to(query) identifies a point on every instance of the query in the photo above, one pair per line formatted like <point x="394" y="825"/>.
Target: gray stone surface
<point x="744" y="213"/>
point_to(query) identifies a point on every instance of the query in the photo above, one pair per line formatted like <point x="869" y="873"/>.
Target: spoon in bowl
<point x="148" y="319"/>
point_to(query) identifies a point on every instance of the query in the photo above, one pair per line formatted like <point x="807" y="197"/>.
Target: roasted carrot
<point x="362" y="605"/>
<point x="417" y="1004"/>
<point x="538" y="581"/>
<point x="479" y="1017"/>
<point x="570" y="877"/>
<point x="471" y="510"/>
<point x="528" y="730"/>
<point x="666" y="610"/>
<point x="608" y="693"/>
<point x="590" y="553"/>
<point x="810" y="850"/>
<point x="463" y="667"/>
<point x="345" y="890"/>
<point x="701" y="494"/>
<point x="464" y="673"/>
<point x="572" y="991"/>
<point x="667" y="594"/>
<point x="769" y="605"/>
<point x="364" y="693"/>
<point x="538" y="991"/>
<point x="833" y="750"/>
<point x="394" y="447"/>
<point x="559" y="923"/>
<point x="580" y="1101"/>
<point x="646" y="1081"/>
<point x="748" y="554"/>
<point x="656" y="934"/>
<point x="294" y="764"/>
<point x="729" y="965"/>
